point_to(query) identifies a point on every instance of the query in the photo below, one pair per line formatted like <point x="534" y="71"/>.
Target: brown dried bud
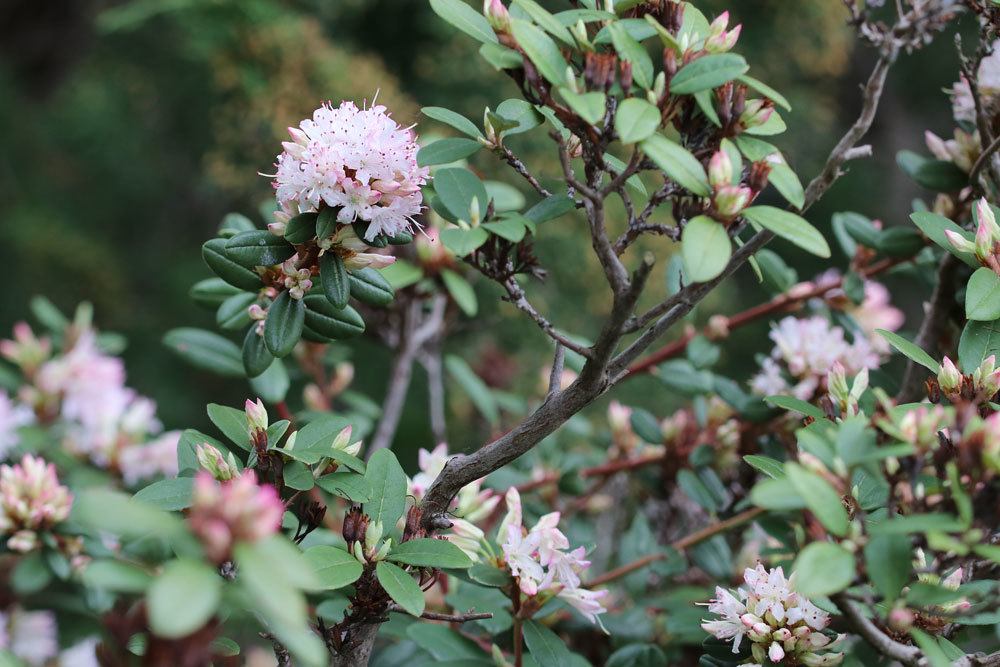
<point x="413" y="528"/>
<point x="355" y="525"/>
<point x="626" y="76"/>
<point x="757" y="180"/>
<point x="599" y="70"/>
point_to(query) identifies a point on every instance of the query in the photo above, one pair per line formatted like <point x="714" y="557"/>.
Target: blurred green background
<point x="128" y="129"/>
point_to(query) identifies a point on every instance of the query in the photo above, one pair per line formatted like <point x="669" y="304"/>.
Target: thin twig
<point x="450" y="618"/>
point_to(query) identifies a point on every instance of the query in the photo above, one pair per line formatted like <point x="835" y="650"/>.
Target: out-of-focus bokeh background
<point x="129" y="128"/>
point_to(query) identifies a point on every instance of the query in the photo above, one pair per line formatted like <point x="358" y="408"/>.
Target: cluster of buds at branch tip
<point x="371" y="548"/>
<point x="297" y="281"/>
<point x="728" y="199"/>
<point x="985" y="247"/>
<point x="257" y="423"/>
<point x="26" y="350"/>
<point x="756" y="113"/>
<point x="211" y="460"/>
<point x="845" y="396"/>
<point x="258" y="314"/>
<point x="984" y="382"/>
<point x="719" y="38"/>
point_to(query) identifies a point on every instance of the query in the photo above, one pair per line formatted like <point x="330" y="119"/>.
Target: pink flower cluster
<point x="12" y="417"/>
<point x="541" y="561"/>
<point x="84" y="389"/>
<point x="239" y="510"/>
<point x="31" y="500"/>
<point x="358" y="160"/>
<point x="473" y="503"/>
<point x="782" y="625"/>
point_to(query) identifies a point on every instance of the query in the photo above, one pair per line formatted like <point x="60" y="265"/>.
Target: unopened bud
<point x="256" y="415"/>
<point x="211" y="459"/>
<point x="959" y="242"/>
<point x="756" y="113"/>
<point x="730" y="200"/>
<point x="496" y="15"/>
<point x="720" y="169"/>
<point x="373" y="535"/>
<point x="949" y="377"/>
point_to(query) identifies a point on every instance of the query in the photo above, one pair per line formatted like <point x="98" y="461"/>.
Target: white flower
<point x="729" y="625"/>
<point x="585" y="601"/>
<point x="31" y="635"/>
<point x="359" y="160"/>
<point x="157" y="457"/>
<point x="519" y="552"/>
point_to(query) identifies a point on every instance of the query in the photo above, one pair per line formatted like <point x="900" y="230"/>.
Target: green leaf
<point x="348" y="485"/>
<point x="465" y="18"/>
<point x="234" y="223"/>
<point x="283" y="326"/>
<point x="776" y="494"/>
<point x="773" y="468"/>
<point x="705" y="248"/>
<point x="117" y="513"/>
<point x="430" y="552"/>
<point x="327" y="320"/>
<point x="506" y="198"/>
<point x="402" y="274"/>
<point x="707" y="105"/>
<point x="301" y="228"/>
<point x="400" y="586"/>
<point x="910" y="350"/>
<point x="933" y="653"/>
<point x="211" y="292"/>
<point x="116" y="576"/>
<point x="500" y="57"/>
<point x="707" y="72"/>
<point x="522" y="115"/>
<point x="333" y="276"/>
<point x="765" y="90"/>
<point x="446" y="151"/>
<point x="677" y="163"/>
<point x="934" y="226"/>
<point x="448" y="647"/>
<point x="368" y="286"/>
<point x="455" y="120"/>
<point x="272" y="385"/>
<point x="298" y="476"/>
<point x="474" y="387"/>
<point x="546" y="20"/>
<point x="388" y="484"/>
<point x="982" y="296"/>
<point x="550" y="208"/>
<point x="233" y="314"/>
<point x="171" y="494"/>
<point x="888" y="562"/>
<point x="821" y="499"/>
<point x="773" y="125"/>
<point x="545" y="646"/>
<point x="258" y="248"/>
<point x="796" y="405"/>
<point x="823" y="568"/>
<point x="460" y="291"/>
<point x="541" y="50"/>
<point x="463" y="242"/>
<point x="979" y="340"/>
<point x="588" y="106"/>
<point x="256" y="358"/>
<point x="334" y="568"/>
<point x="205" y="350"/>
<point x="182" y="598"/>
<point x="637" y="655"/>
<point x="512" y="228"/>
<point x="232" y="423"/>
<point x="632" y="51"/>
<point x="636" y="120"/>
<point x="457" y="187"/>
<point x="326" y="223"/>
<point x="916" y="523"/>
<point x="215" y="255"/>
<point x="314" y="442"/>
<point x="790" y="227"/>
<point x="785" y="181"/>
<point x="32" y="573"/>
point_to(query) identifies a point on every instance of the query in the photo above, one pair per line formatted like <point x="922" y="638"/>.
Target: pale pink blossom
<point x="13" y="416"/>
<point x="780" y="623"/>
<point x="158" y="457"/>
<point x="31" y="636"/>
<point x="31" y="500"/>
<point x="359" y="160"/>
<point x="227" y="513"/>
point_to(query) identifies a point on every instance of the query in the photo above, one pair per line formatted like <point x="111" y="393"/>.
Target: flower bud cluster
<point x="983" y="382"/>
<point x="729" y="199"/>
<point x="211" y="460"/>
<point x="227" y="513"/>
<point x="31" y="501"/>
<point x="986" y="246"/>
<point x="845" y="397"/>
<point x="297" y="281"/>
<point x="782" y="626"/>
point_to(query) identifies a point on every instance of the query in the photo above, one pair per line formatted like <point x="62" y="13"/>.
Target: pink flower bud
<point x="949" y="377"/>
<point x="719" y="39"/>
<point x="31" y="500"/>
<point x="959" y="242"/>
<point x="756" y="113"/>
<point x="936" y="145"/>
<point x="256" y="415"/>
<point x="497" y="15"/>
<point x="720" y="169"/>
<point x="239" y="510"/>
<point x="775" y="653"/>
<point x="730" y="200"/>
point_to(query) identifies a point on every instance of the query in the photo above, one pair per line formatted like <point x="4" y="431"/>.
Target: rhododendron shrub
<point x="837" y="503"/>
